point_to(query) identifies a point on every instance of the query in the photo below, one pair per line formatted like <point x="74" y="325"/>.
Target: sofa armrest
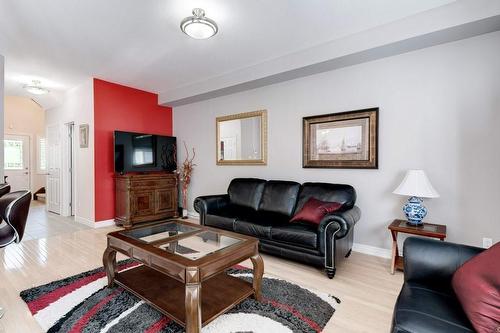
<point x="345" y="220"/>
<point x="210" y="204"/>
<point x="432" y="263"/>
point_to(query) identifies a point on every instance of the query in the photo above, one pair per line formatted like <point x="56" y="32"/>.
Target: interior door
<point x="17" y="161"/>
<point x="54" y="169"/>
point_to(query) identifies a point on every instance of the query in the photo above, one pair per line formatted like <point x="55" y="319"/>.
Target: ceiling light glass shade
<point x="35" y="88"/>
<point x="198" y="26"/>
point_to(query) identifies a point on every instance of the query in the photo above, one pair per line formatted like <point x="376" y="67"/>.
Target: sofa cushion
<point x="279" y="197"/>
<point x="264" y="217"/>
<point x="235" y="211"/>
<point x="343" y="194"/>
<point x="221" y="222"/>
<point x="298" y="233"/>
<point x="419" y="309"/>
<point x="315" y="210"/>
<point x="259" y="230"/>
<point x="246" y="192"/>
<point x="477" y="285"/>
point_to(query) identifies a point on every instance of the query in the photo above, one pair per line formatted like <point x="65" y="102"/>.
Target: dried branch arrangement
<point x="185" y="173"/>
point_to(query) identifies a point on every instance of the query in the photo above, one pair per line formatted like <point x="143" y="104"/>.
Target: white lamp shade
<point x="416" y="184"/>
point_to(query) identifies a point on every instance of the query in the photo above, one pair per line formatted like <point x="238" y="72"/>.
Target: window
<point x="42" y="155"/>
<point x="13" y="154"/>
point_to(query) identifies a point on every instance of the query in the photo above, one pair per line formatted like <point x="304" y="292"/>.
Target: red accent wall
<point x="118" y="107"/>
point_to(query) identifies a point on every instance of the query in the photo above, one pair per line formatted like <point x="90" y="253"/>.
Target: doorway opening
<point x="17" y="162"/>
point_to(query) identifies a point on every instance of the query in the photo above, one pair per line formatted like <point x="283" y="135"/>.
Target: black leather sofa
<point x="427" y="302"/>
<point x="263" y="209"/>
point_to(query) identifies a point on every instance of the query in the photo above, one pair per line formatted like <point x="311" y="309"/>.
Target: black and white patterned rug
<point x="83" y="303"/>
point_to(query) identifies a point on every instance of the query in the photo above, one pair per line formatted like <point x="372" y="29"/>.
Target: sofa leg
<point x="348" y="253"/>
<point x="330" y="272"/>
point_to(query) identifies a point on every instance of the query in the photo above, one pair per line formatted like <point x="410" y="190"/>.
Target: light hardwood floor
<point x="363" y="283"/>
<point x="43" y="224"/>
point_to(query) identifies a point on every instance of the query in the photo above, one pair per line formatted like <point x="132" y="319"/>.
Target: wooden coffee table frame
<point x="190" y="292"/>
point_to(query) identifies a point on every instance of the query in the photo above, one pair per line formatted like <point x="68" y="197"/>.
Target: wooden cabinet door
<point x="142" y="202"/>
<point x="166" y="200"/>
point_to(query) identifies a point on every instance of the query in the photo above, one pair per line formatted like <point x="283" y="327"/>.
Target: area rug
<point x="83" y="303"/>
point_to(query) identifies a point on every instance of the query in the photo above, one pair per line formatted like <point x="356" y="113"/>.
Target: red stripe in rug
<point x="296" y="313"/>
<point x="80" y="324"/>
<point x="45" y="300"/>
<point x="158" y="326"/>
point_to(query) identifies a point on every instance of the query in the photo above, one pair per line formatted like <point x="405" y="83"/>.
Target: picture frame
<point x="84" y="135"/>
<point x="345" y="140"/>
<point x="241" y="139"/>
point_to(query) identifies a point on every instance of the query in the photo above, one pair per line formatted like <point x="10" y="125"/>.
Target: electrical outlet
<point x="487" y="243"/>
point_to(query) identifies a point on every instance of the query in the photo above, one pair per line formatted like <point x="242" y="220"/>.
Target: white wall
<point x="22" y="116"/>
<point x="2" y="90"/>
<point x="439" y="111"/>
<point x="78" y="107"/>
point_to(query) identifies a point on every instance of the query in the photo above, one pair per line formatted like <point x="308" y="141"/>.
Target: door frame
<point x="30" y="156"/>
<point x="68" y="170"/>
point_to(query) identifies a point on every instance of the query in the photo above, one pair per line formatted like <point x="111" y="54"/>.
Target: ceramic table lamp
<point x="416" y="185"/>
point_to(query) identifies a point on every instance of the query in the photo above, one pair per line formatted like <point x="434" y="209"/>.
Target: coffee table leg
<point x="109" y="261"/>
<point x="193" y="308"/>
<point x="258" y="271"/>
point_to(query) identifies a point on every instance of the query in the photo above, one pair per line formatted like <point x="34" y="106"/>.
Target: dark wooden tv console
<point x="145" y="198"/>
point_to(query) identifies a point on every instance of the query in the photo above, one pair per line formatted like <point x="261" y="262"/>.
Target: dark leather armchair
<point x="263" y="209"/>
<point x="4" y="189"/>
<point x="427" y="302"/>
<point x="14" y="208"/>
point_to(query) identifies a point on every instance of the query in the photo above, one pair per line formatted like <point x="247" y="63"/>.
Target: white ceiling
<point x="139" y="43"/>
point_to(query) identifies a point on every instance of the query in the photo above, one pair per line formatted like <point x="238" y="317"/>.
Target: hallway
<point x="43" y="224"/>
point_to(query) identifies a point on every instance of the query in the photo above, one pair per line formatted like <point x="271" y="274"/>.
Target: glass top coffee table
<point x="183" y="272"/>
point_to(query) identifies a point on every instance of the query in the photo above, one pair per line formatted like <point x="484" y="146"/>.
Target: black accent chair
<point x="427" y="302"/>
<point x="263" y="209"/>
<point x="4" y="189"/>
<point x="14" y="208"/>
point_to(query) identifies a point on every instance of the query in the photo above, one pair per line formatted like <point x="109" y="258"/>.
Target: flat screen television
<point x="142" y="152"/>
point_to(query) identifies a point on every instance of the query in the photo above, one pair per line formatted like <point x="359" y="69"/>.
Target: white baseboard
<point x="84" y="221"/>
<point x="372" y="250"/>
<point x="104" y="223"/>
<point x="193" y="215"/>
<point x="95" y="225"/>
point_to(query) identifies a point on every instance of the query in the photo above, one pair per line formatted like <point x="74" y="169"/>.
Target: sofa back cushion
<point x="343" y="194"/>
<point x="246" y="192"/>
<point x="279" y="197"/>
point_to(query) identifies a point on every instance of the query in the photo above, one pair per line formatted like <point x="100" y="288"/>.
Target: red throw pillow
<point x="477" y="286"/>
<point x="314" y="210"/>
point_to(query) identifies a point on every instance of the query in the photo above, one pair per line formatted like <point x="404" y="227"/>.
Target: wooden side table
<point x="425" y="230"/>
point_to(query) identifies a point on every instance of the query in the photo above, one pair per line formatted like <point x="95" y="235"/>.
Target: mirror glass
<point x="241" y="138"/>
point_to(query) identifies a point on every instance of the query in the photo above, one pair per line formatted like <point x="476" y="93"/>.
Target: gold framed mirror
<point x="241" y="139"/>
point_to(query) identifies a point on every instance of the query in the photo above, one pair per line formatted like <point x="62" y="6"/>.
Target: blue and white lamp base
<point x="415" y="211"/>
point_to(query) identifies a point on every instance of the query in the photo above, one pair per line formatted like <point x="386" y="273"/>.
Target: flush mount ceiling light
<point x="198" y="26"/>
<point x="35" y="88"/>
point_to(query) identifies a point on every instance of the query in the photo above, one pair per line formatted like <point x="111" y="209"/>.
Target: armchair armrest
<point x="432" y="263"/>
<point x="209" y="204"/>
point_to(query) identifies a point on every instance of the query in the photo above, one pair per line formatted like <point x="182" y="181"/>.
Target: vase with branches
<point x="184" y="174"/>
